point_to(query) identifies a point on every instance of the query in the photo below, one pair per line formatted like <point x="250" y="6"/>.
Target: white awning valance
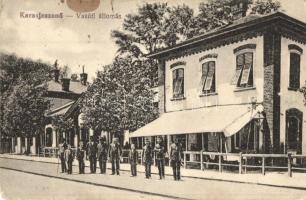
<point x="227" y="119"/>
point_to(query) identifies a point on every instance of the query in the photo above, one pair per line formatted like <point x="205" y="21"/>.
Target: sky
<point x="74" y="41"/>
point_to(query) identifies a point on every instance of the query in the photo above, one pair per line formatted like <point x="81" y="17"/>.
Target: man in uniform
<point x="175" y="157"/>
<point x="160" y="157"/>
<point x="80" y="157"/>
<point x="62" y="148"/>
<point x="69" y="156"/>
<point x="147" y="158"/>
<point x="114" y="154"/>
<point x="133" y="158"/>
<point x="102" y="154"/>
<point x="92" y="154"/>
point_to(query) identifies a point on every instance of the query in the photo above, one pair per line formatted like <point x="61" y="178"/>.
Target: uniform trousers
<point x="115" y="166"/>
<point x="63" y="163"/>
<point x="102" y="165"/>
<point x="93" y="164"/>
<point x="134" y="168"/>
<point x="81" y="166"/>
<point x="161" y="168"/>
<point x="176" y="167"/>
<point x="148" y="169"/>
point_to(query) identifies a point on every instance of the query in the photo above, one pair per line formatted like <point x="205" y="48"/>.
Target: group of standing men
<point x="102" y="151"/>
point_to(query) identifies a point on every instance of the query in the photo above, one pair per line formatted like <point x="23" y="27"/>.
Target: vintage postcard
<point x="152" y="99"/>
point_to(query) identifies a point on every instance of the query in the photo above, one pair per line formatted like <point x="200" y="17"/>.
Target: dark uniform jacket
<point x="175" y="152"/>
<point x="69" y="155"/>
<point x="114" y="151"/>
<point x="62" y="148"/>
<point x="80" y="153"/>
<point x="92" y="149"/>
<point x="147" y="154"/>
<point x="159" y="152"/>
<point x="133" y="156"/>
<point x="102" y="151"/>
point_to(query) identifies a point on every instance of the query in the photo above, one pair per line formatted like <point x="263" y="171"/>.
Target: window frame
<point x="208" y="59"/>
<point x="213" y="87"/>
<point x="242" y="50"/>
<point x="177" y="68"/>
<point x="292" y="86"/>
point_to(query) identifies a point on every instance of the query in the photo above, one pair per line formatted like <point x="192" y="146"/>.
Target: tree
<point x="217" y="13"/>
<point x="61" y="124"/>
<point x="23" y="86"/>
<point x="121" y="97"/>
<point x="118" y="100"/>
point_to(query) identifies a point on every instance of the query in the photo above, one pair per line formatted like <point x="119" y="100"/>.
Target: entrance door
<point x="294" y="120"/>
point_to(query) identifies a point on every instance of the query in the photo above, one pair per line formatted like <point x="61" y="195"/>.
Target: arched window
<point x="244" y="70"/>
<point x="295" y="61"/>
<point x="208" y="77"/>
<point x="49" y="137"/>
<point x="294" y="119"/>
<point x="178" y="83"/>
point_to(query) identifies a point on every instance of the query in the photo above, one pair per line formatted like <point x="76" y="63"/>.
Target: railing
<point x="48" y="152"/>
<point x="242" y="162"/>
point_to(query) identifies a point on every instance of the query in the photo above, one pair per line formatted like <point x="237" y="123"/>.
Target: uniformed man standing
<point x="160" y="158"/>
<point x="69" y="157"/>
<point x="92" y="154"/>
<point x="80" y="157"/>
<point x="133" y="158"/>
<point x="102" y="154"/>
<point x="176" y="157"/>
<point x="62" y="148"/>
<point x="147" y="154"/>
<point x="114" y="154"/>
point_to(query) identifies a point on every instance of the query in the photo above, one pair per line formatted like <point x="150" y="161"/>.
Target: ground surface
<point x="36" y="180"/>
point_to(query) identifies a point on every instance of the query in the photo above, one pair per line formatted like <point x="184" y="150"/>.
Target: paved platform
<point x="21" y="178"/>
<point x="275" y="179"/>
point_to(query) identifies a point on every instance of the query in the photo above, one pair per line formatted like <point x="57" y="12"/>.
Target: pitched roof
<point x="231" y="29"/>
<point x="75" y="87"/>
<point x="58" y="102"/>
<point x="60" y="110"/>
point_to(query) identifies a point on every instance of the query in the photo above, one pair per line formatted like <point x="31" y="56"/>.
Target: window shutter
<point x="210" y="76"/>
<point x="204" y="74"/>
<point x="235" y="79"/>
<point x="245" y="74"/>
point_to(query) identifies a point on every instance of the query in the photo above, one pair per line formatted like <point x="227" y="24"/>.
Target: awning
<point x="227" y="119"/>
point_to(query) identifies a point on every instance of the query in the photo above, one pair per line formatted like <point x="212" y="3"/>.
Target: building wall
<point x="291" y="99"/>
<point x="225" y="70"/>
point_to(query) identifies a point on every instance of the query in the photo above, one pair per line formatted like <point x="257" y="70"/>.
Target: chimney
<point x="56" y="74"/>
<point x="83" y="78"/>
<point x="65" y="84"/>
<point x="239" y="9"/>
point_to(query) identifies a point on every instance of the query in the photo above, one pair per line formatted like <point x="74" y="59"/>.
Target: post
<point x="53" y="137"/>
<point x="245" y="165"/>
<point x="201" y="159"/>
<point x="33" y="147"/>
<point x="19" y="150"/>
<point x="220" y="164"/>
<point x="240" y="163"/>
<point x="263" y="166"/>
<point x="290" y="164"/>
<point x="141" y="159"/>
<point x="185" y="164"/>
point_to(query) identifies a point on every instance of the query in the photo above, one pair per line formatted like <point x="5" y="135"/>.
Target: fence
<point x="48" y="151"/>
<point x="243" y="162"/>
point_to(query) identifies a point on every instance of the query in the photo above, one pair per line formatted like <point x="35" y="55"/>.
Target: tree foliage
<point x="121" y="97"/>
<point x="22" y="89"/>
